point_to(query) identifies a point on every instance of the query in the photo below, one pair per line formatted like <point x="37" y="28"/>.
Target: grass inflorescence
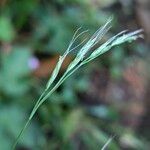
<point x="83" y="56"/>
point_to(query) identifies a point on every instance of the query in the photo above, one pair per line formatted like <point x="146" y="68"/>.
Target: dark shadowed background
<point x="107" y="97"/>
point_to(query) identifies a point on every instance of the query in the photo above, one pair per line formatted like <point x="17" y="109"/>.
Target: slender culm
<point x="81" y="59"/>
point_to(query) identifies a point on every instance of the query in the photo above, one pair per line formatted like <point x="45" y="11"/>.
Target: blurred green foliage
<point x="31" y="28"/>
<point x="14" y="72"/>
<point x="7" y="32"/>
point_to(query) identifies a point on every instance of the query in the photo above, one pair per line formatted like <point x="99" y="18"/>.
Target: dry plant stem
<point x="80" y="60"/>
<point x="107" y="143"/>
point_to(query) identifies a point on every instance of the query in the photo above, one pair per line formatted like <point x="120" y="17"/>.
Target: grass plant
<point x="88" y="51"/>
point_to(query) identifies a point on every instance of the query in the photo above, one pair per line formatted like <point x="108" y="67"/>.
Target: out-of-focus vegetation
<point x="108" y="97"/>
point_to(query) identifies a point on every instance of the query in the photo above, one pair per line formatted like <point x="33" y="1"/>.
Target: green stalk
<point x="80" y="60"/>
